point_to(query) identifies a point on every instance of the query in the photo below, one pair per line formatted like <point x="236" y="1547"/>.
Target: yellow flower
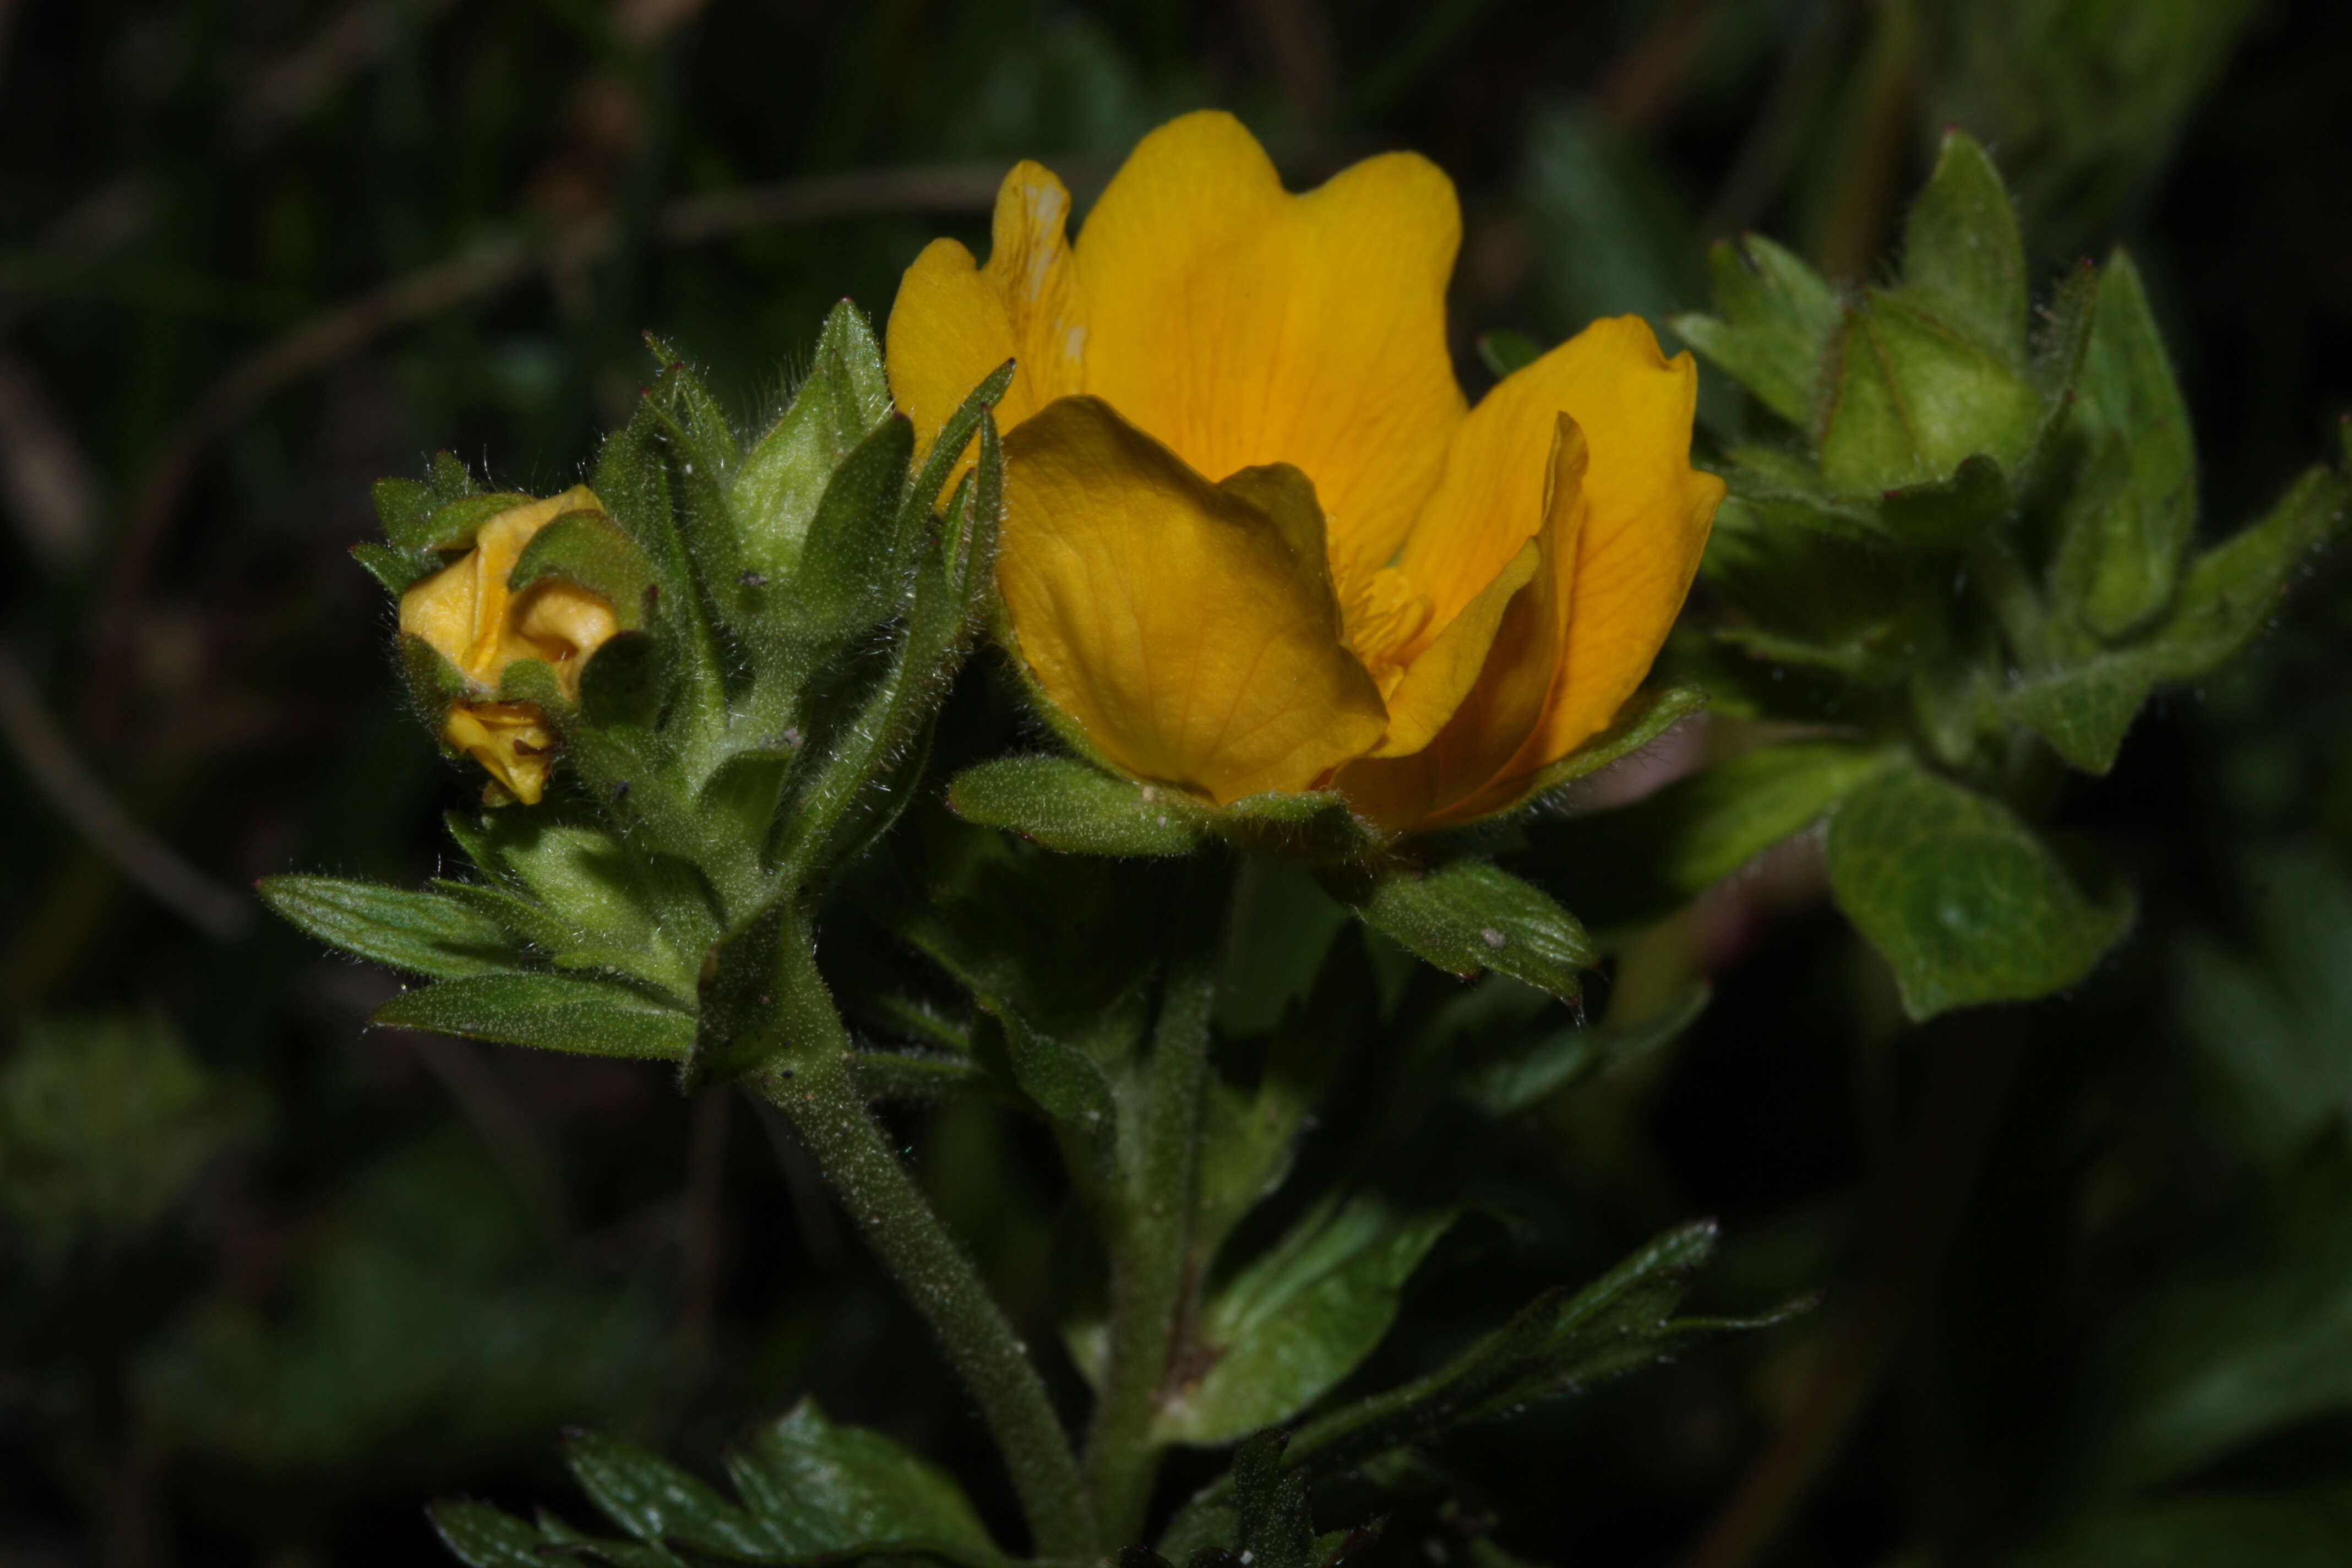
<point x="1254" y="539"/>
<point x="469" y="616"/>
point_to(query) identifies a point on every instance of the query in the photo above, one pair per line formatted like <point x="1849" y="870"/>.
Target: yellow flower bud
<point x="1255" y="539"/>
<point x="467" y="612"/>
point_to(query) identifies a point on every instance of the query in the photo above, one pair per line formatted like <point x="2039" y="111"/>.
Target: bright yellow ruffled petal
<point x="1645" y="527"/>
<point x="511" y="740"/>
<point x="954" y="322"/>
<point x="1242" y="325"/>
<point x="1191" y="636"/>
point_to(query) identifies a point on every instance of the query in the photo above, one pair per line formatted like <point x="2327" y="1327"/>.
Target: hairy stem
<point x="812" y="1087"/>
<point x="1149" y="1229"/>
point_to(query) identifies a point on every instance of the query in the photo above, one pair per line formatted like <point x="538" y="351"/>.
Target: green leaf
<point x="1076" y="807"/>
<point x="660" y="1503"/>
<point x="1297" y="1319"/>
<point x="823" y="1488"/>
<point x="588" y="548"/>
<point x="1467" y="916"/>
<point x="483" y="1537"/>
<point x="1962" y="253"/>
<point x="1561" y="1342"/>
<point x="2084" y="712"/>
<point x="1961" y="899"/>
<point x="424" y="933"/>
<point x="556" y="1012"/>
<point x="777" y="488"/>
<point x="1502" y="352"/>
<point x="1774" y="323"/>
<point x="2252" y="1338"/>
<point x="397" y="569"/>
<point x="1534" y="1074"/>
<point x="2122" y="543"/>
<point x="1273" y="1527"/>
<point x="599" y="902"/>
<point x="2269" y="1019"/>
<point x="1913" y="398"/>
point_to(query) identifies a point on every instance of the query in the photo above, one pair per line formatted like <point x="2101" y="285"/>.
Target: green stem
<point x="1151" y="1221"/>
<point x="813" y="1088"/>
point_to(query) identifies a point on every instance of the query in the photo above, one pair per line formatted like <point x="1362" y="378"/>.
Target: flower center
<point x="1382" y="620"/>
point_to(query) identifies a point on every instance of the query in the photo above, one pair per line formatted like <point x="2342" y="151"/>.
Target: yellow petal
<point x="511" y="740"/>
<point x="1242" y="325"/>
<point x="1648" y="512"/>
<point x="461" y="610"/>
<point x="1493" y="718"/>
<point x="1192" y="637"/>
<point x="954" y="322"/>
<point x="1437" y="682"/>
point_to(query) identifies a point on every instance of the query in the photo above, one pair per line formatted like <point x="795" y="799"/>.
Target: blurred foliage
<point x="269" y="1282"/>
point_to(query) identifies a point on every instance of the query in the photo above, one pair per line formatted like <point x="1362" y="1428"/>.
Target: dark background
<point x="266" y="1282"/>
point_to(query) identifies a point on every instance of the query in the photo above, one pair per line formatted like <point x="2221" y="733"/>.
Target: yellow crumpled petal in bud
<point x="1254" y="538"/>
<point x="467" y="614"/>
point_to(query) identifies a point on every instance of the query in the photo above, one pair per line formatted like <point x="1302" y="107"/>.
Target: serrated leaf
<point x="660" y="1503"/>
<point x="424" y="933"/>
<point x="1646" y="716"/>
<point x="1961" y="899"/>
<point x="1273" y="1527"/>
<point x="824" y="1488"/>
<point x="1076" y="807"/>
<point x="1775" y="319"/>
<point x="484" y="1537"/>
<point x="1963" y="255"/>
<point x="1527" y="1077"/>
<point x="1297" y="1319"/>
<point x="1563" y="1341"/>
<point x="552" y="1012"/>
<point x="1062" y="1081"/>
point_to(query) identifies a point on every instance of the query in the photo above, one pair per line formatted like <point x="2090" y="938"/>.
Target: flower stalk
<point x="811" y="1084"/>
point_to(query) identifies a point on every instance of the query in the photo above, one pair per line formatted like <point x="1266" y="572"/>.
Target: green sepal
<point x="1966" y="904"/>
<point x="1963" y="255"/>
<point x="533" y="680"/>
<point x="625" y="682"/>
<point x="1775" y="320"/>
<point x="777" y="487"/>
<point x="1469" y="916"/>
<point x="431" y="681"/>
<point x="452" y="526"/>
<point x="589" y="549"/>
<point x="1299" y="1318"/>
<point x="2123" y="541"/>
<point x="850" y="575"/>
<point x="704" y="437"/>
<point x="403" y="505"/>
<point x="1074" y="806"/>
<point x="424" y="933"/>
<point x="396" y="568"/>
<point x="950" y="446"/>
<point x="552" y="1012"/>
<point x="1646" y="716"/>
<point x="1912" y="398"/>
<point x="1504" y="352"/>
<point x="1950" y="513"/>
